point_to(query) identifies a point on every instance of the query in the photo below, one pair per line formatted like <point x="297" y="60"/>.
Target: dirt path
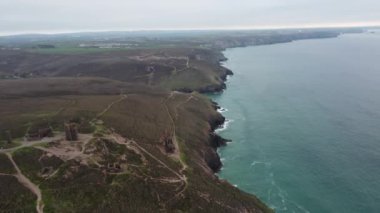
<point x="110" y="105"/>
<point x="172" y="94"/>
<point x="187" y="65"/>
<point x="121" y="140"/>
<point x="175" y="141"/>
<point x="117" y="138"/>
<point x="28" y="184"/>
<point x="181" y="177"/>
<point x="156" y="159"/>
<point x="176" y="153"/>
<point x="183" y="103"/>
<point x="31" y="143"/>
<point x="22" y="178"/>
<point x="68" y="150"/>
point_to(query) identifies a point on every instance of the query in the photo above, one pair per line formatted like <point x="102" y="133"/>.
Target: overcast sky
<point x="21" y="16"/>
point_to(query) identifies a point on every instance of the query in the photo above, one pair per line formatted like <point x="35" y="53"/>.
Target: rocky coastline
<point x="137" y="116"/>
<point x="215" y="141"/>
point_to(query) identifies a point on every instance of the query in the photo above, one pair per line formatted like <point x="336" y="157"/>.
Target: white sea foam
<point x="224" y="126"/>
<point x="221" y="110"/>
<point x="254" y="163"/>
<point x="219" y="153"/>
<point x="301" y="208"/>
<point x="282" y="198"/>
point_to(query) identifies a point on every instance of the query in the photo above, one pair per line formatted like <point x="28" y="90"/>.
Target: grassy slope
<point x="15" y="197"/>
<point x="142" y="116"/>
<point x="170" y="69"/>
<point x="6" y="166"/>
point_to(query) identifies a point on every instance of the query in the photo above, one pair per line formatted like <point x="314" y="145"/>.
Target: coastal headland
<point x="119" y="124"/>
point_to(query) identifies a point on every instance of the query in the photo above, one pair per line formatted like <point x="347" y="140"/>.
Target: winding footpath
<point x="123" y="97"/>
<point x="21" y="177"/>
<point x="175" y="140"/>
<point x="28" y="184"/>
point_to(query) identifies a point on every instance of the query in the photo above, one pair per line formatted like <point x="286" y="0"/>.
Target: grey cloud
<point x="76" y="15"/>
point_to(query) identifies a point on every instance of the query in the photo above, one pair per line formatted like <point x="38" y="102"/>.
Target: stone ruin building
<point x="8" y="136"/>
<point x="71" y="131"/>
<point x="113" y="167"/>
<point x="38" y="134"/>
<point x="167" y="140"/>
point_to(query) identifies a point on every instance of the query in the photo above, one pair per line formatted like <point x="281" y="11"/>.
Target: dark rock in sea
<point x="217" y="122"/>
<point x="211" y="156"/>
<point x="229" y="72"/>
<point x="223" y="58"/>
<point x="215" y="105"/>
<point x="213" y="160"/>
<point x="217" y="141"/>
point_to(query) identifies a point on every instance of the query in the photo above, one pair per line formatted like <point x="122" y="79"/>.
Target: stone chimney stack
<point x="71" y="131"/>
<point x="8" y="136"/>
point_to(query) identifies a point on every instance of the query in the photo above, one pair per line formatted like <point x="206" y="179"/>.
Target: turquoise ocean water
<point x="304" y="118"/>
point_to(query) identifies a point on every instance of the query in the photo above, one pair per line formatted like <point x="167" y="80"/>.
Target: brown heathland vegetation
<point x="118" y="163"/>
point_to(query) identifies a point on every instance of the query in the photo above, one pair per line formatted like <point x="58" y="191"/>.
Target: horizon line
<point x="235" y="28"/>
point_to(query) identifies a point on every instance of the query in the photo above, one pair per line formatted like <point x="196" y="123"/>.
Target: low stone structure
<point x="167" y="140"/>
<point x="71" y="131"/>
<point x="8" y="136"/>
<point x="45" y="132"/>
<point x="39" y="134"/>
